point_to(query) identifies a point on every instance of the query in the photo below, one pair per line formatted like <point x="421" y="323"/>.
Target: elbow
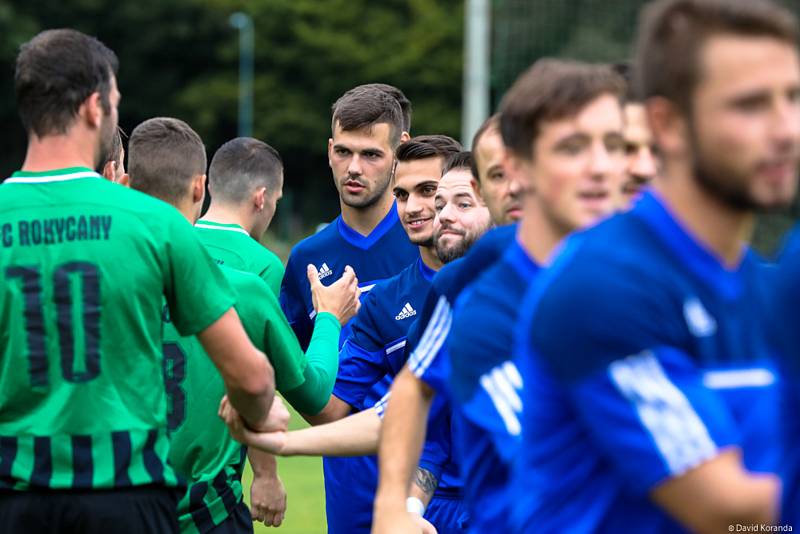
<point x="760" y="506"/>
<point x="258" y="380"/>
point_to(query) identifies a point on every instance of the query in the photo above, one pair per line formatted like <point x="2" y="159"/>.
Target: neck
<point x="188" y="209"/>
<point x="429" y="258"/>
<point x="57" y="152"/>
<point x="226" y="214"/>
<point x="713" y="223"/>
<point x="537" y="234"/>
<point x="364" y="220"/>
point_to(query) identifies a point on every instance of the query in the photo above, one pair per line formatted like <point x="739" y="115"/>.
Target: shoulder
<point x="597" y="302"/>
<point x="317" y="241"/>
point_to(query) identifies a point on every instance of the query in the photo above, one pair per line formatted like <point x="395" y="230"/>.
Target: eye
<point x="464" y="205"/>
<point x="429" y="190"/>
<point x="341" y="151"/>
<point x="496" y="176"/>
<point x="402" y="196"/>
<point x="370" y="155"/>
<point x="571" y="148"/>
<point x="439" y="206"/>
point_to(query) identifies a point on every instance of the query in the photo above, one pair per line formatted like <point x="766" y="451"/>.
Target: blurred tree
<point x="179" y="58"/>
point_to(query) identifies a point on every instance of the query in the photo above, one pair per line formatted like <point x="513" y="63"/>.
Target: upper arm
<point x="335" y="409"/>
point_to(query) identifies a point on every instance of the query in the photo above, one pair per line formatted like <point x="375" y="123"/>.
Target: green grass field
<point x="302" y="477"/>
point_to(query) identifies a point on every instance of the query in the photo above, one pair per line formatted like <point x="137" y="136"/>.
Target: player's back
<point x="230" y="245"/>
<point x="202" y="449"/>
<point x="85" y="264"/>
<point x="642" y="357"/>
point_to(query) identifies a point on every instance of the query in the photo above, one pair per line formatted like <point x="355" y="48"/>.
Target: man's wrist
<point x="415" y="506"/>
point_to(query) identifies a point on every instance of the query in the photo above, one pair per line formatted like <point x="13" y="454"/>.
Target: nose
<point x="413" y="204"/>
<point x="600" y="164"/>
<point x="354" y="166"/>
<point x="643" y="163"/>
<point x="786" y="126"/>
<point x="447" y="214"/>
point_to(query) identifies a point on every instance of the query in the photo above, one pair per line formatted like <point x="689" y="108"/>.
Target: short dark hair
<point x="113" y="152"/>
<point x="164" y="154"/>
<point x="625" y="71"/>
<point x="550" y="90"/>
<point x="461" y="161"/>
<point x="363" y="107"/>
<point x="427" y="146"/>
<point x="672" y="33"/>
<point x="397" y="94"/>
<point x="492" y="123"/>
<point x="55" y="73"/>
<point x="240" y="166"/>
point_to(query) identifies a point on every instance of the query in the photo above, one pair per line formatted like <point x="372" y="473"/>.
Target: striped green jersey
<point x="232" y="246"/>
<point x="202" y="449"/>
<point x="84" y="267"/>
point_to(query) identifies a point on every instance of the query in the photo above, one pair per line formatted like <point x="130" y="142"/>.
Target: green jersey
<point x="84" y="266"/>
<point x="202" y="449"/>
<point x="232" y="246"/>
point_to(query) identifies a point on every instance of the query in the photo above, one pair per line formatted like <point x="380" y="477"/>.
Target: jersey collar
<point x="55" y="175"/>
<point x="212" y="225"/>
<point x="364" y="242"/>
<point x="698" y="258"/>
<point x="427" y="272"/>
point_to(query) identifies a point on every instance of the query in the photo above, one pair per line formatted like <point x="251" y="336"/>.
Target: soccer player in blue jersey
<point x="572" y="189"/>
<point x="367" y="128"/>
<point x="562" y="124"/>
<point x="368" y="236"/>
<point x="650" y="393"/>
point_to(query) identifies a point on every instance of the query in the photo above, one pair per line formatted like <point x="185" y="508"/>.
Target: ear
<point x="92" y="110"/>
<point x="260" y="198"/>
<point x="330" y="152"/>
<point x="405" y="136"/>
<point x="198" y="188"/>
<point x="108" y="170"/>
<point x="125" y="180"/>
<point x="668" y="124"/>
<point x="476" y="188"/>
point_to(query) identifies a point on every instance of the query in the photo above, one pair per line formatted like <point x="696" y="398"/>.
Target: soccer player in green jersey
<point x="167" y="160"/>
<point x="245" y="182"/>
<point x="84" y="266"/>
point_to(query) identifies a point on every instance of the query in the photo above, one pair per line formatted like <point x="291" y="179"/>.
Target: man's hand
<point x="340" y="298"/>
<point x="397" y="520"/>
<point x="268" y="499"/>
<point x="273" y="440"/>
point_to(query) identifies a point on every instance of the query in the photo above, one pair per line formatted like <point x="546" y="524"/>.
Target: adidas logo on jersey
<point x="324" y="271"/>
<point x="405" y="313"/>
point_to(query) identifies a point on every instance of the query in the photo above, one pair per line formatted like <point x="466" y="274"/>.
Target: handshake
<point x="271" y="438"/>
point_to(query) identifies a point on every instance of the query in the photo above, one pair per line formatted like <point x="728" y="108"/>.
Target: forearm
<point x="263" y="464"/>
<point x="402" y="437"/>
<point x="425" y="484"/>
<point x="322" y="362"/>
<point x="355" y="435"/>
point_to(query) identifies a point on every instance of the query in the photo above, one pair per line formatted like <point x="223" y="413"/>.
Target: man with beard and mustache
<point x="84" y="267"/>
<point x="368" y="236"/>
<point x="650" y="391"/>
<point x="463" y="358"/>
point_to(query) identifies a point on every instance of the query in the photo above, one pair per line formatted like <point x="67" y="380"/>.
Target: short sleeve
<point x="266" y="325"/>
<point x="197" y="292"/>
<point x="427" y="360"/>
<point x="362" y="361"/>
<point x="293" y="303"/>
<point x="273" y="272"/>
<point x="652" y="416"/>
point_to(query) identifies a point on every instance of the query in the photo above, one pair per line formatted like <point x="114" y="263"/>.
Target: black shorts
<point x="121" y="511"/>
<point x="239" y="522"/>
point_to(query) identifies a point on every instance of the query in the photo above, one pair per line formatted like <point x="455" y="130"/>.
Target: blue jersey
<point x="370" y="358"/>
<point x="485" y="385"/>
<point x="382" y="254"/>
<point x="786" y="295"/>
<point x="642" y="357"/>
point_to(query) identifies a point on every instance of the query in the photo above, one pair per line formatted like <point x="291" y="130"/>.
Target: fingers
<point x="313" y="275"/>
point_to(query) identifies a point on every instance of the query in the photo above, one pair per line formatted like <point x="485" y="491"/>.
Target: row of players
<point x="643" y="380"/>
<point x="650" y="393"/>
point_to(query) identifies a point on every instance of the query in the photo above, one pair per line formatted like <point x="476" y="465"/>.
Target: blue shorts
<point x="447" y="514"/>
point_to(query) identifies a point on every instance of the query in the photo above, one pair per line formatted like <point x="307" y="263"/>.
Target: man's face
<point x="639" y="147"/>
<point x="461" y="219"/>
<point x="362" y="162"/>
<point x="501" y="191"/>
<point x="745" y="127"/>
<point x="415" y="184"/>
<point x="108" y="125"/>
<point x="578" y="165"/>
